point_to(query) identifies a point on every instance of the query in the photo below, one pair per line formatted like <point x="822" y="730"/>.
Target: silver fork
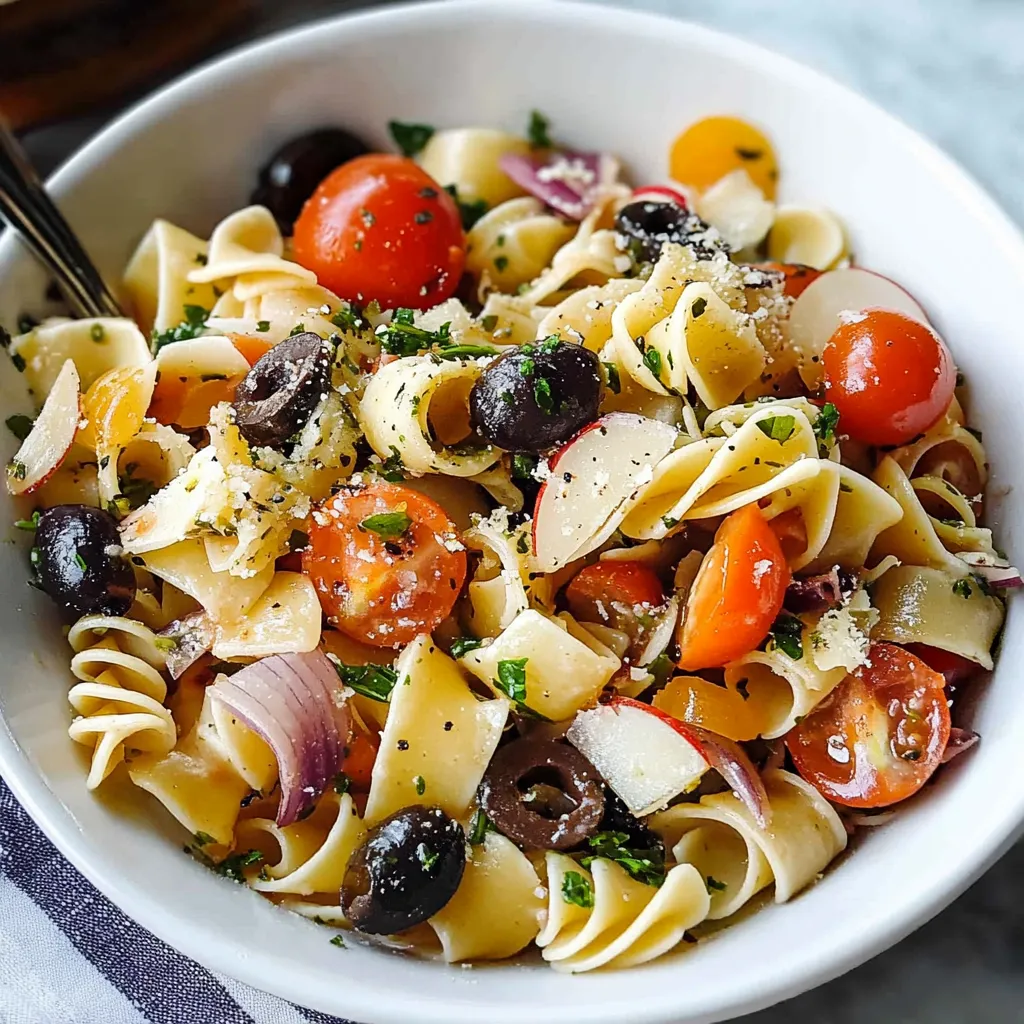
<point x="28" y="209"/>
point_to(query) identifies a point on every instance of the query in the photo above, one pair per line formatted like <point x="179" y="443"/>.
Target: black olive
<point x="78" y="561"/>
<point x="407" y="869"/>
<point x="542" y="794"/>
<point x="292" y="174"/>
<point x="536" y="396"/>
<point x="619" y="818"/>
<point x="274" y="400"/>
<point x="643" y="227"/>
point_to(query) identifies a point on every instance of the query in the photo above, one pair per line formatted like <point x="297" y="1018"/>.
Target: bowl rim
<point x="794" y="975"/>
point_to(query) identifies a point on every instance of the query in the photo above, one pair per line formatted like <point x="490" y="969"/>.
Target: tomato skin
<point x="250" y="348"/>
<point x="384" y="590"/>
<point x="879" y="736"/>
<point x="798" y="276"/>
<point x="954" y="668"/>
<point x="890" y="377"/>
<point x="616" y="594"/>
<point x="360" y="755"/>
<point x="379" y="227"/>
<point x="737" y="594"/>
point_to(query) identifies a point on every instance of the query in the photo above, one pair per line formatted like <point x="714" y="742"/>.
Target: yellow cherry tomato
<point x="717" y="146"/>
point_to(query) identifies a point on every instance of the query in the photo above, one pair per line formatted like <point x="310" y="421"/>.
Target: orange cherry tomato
<point x="379" y="227"/>
<point x="879" y="736"/>
<point x="890" y="377"/>
<point x="619" y="595"/>
<point x="386" y="562"/>
<point x="249" y="347"/>
<point x="737" y="594"/>
<point x="798" y="276"/>
<point x="360" y="754"/>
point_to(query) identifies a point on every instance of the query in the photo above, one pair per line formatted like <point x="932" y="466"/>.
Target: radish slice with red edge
<point x="817" y="312"/>
<point x="51" y="436"/>
<point x="567" y="181"/>
<point x="996" y="571"/>
<point x="660" y="194"/>
<point x="589" y="482"/>
<point x="296" y="703"/>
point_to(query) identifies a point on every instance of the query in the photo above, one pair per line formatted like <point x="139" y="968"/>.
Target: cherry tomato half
<point x="890" y="377"/>
<point x="737" y="594"/>
<point x="879" y="736"/>
<point x="619" y="595"/>
<point x="379" y="227"/>
<point x="798" y="276"/>
<point x="386" y="562"/>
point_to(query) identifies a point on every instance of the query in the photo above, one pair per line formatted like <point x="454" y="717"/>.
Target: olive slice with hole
<point x="543" y="794"/>
<point x="406" y="870"/>
<point x="276" y="397"/>
<point x="78" y="561"/>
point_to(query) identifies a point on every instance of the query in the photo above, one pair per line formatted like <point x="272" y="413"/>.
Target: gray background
<point x="954" y="69"/>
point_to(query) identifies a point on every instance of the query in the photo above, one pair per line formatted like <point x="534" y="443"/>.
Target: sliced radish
<point x="591" y="478"/>
<point x="51" y="437"/>
<point x="645" y="756"/>
<point x="816" y="313"/>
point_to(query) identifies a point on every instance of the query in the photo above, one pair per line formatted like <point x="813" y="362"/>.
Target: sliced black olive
<point x="536" y="396"/>
<point x="292" y="174"/>
<point x="543" y="794"/>
<point x="407" y="869"/>
<point x="643" y="227"/>
<point x="276" y="397"/>
<point x="619" y="818"/>
<point x="79" y="563"/>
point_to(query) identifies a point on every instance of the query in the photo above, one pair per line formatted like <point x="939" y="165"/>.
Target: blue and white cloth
<point x="69" y="956"/>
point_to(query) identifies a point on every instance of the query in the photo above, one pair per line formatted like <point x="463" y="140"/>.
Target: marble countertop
<point x="953" y="69"/>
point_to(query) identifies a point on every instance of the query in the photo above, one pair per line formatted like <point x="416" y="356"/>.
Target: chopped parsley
<point x="297" y="329"/>
<point x="388" y="525"/>
<point x="661" y="668"/>
<point x="542" y="395"/>
<point x="652" y="360"/>
<point x="410" y="138"/>
<point x="81" y="562"/>
<point x="647" y="866"/>
<point x="697" y="308"/>
<point x="962" y="588"/>
<point x="403" y="338"/>
<point x="469" y="210"/>
<point x="391" y="469"/>
<point x="348" y="318"/>
<point x="165" y="644"/>
<point x="511" y="679"/>
<point x="427" y="857"/>
<point x="479" y="827"/>
<point x="28" y="524"/>
<point x="342" y="783"/>
<point x="263" y="326"/>
<point x="577" y="890"/>
<point x="191" y="327"/>
<point x="778" y="428"/>
<point x="20" y="426"/>
<point x="339" y="941"/>
<point x="462" y="645"/>
<point x="373" y="681"/>
<point x="489" y="322"/>
<point x="537" y="131"/>
<point x="713" y="884"/>
<point x="614" y="384"/>
<point x="233" y="867"/>
<point x="97" y="333"/>
<point x="523" y="465"/>
<point x="466" y="351"/>
<point x="500" y="263"/>
<point x="787" y="635"/>
<point x="203" y="839"/>
<point x="825" y="426"/>
<point x="16" y="470"/>
<point x="421" y="785"/>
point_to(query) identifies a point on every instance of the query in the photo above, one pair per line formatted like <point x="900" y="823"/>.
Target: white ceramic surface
<point x="611" y="79"/>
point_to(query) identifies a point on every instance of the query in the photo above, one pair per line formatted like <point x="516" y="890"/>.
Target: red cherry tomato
<point x="620" y="595"/>
<point x="954" y="668"/>
<point x="890" y="377"/>
<point x="379" y="227"/>
<point x="381" y="559"/>
<point x="879" y="736"/>
<point x="737" y="594"/>
<point x="798" y="276"/>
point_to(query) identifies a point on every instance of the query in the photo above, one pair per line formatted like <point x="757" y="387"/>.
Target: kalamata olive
<point x="276" y="397"/>
<point x="542" y="794"/>
<point x="292" y="174"/>
<point x="536" y="396"/>
<point x="79" y="563"/>
<point x="407" y="869"/>
<point x="643" y="227"/>
<point x="619" y="818"/>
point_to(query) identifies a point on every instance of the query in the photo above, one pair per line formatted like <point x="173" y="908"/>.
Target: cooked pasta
<point x="458" y="572"/>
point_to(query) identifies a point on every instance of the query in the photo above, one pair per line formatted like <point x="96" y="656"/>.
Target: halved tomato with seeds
<point x="386" y="561"/>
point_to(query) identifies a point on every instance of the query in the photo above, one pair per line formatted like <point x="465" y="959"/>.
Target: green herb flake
<point x="373" y="681"/>
<point x="778" y="428"/>
<point x="16" y="470"/>
<point x="191" y="327"/>
<point x="500" y="263"/>
<point x="28" y="524"/>
<point x="97" y="333"/>
<point x="410" y="138"/>
<point x="81" y="562"/>
<point x="403" y="338"/>
<point x="420" y="785"/>
<point x="203" y="839"/>
<point x="825" y="425"/>
<point x="787" y="635"/>
<point x="20" y="426"/>
<point x="466" y="351"/>
<point x="263" y="326"/>
<point x="962" y="588"/>
<point x="391" y="469"/>
<point x="714" y="885"/>
<point x="479" y="827"/>
<point x="542" y="395"/>
<point x="339" y="941"/>
<point x="427" y="857"/>
<point x="538" y="131"/>
<point x="577" y="890"/>
<point x="523" y="466"/>
<point x="614" y="383"/>
<point x="233" y="867"/>
<point x="135" y="490"/>
<point x="489" y="322"/>
<point x="165" y="644"/>
<point x="652" y="360"/>
<point x="698" y="307"/>
<point x="462" y="645"/>
<point x="388" y="525"/>
<point x="645" y="865"/>
<point x="511" y="679"/>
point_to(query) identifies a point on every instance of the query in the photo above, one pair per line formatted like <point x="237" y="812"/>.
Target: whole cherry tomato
<point x="386" y="563"/>
<point x="737" y="594"/>
<point x="890" y="377"/>
<point x="878" y="737"/>
<point x="379" y="227"/>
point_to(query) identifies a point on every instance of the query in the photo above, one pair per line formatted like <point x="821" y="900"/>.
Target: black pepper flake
<point x="403" y="744"/>
<point x="448" y="726"/>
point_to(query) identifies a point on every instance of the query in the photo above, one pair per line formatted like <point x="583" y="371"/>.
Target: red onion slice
<point x="193" y="637"/>
<point x="296" y="703"/>
<point x="731" y="761"/>
<point x="816" y="593"/>
<point x="997" y="572"/>
<point x="566" y="181"/>
<point x="959" y="741"/>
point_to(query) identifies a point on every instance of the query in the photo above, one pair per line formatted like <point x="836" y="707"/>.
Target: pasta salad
<point x="474" y="551"/>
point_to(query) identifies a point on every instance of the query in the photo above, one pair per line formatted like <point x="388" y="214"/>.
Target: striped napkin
<point x="69" y="956"/>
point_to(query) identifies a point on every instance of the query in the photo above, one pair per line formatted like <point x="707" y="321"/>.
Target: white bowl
<point x="608" y="79"/>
